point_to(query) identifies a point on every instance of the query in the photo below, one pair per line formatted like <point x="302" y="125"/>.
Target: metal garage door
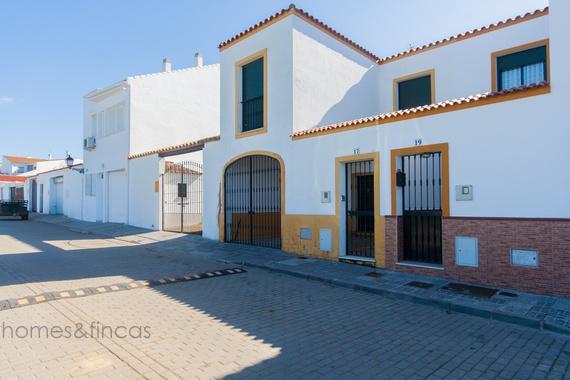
<point x="117" y="197"/>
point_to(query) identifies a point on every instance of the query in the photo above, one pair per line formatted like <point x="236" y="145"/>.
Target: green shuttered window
<point x="252" y="95"/>
<point x="414" y="92"/>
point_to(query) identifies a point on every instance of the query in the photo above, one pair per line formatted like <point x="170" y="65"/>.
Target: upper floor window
<point x="414" y="90"/>
<point x="251" y="97"/>
<point x="114" y="120"/>
<point x="521" y="66"/>
<point x="108" y="122"/>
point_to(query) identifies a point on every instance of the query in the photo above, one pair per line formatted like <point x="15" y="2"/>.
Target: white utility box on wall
<point x="467" y="251"/>
<point x="524" y="258"/>
<point x="325" y="235"/>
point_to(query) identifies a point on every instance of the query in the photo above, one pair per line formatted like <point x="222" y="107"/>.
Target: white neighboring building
<point x="12" y="183"/>
<point x="18" y="165"/>
<point x="125" y="127"/>
<point x="447" y="160"/>
<point x="11" y="187"/>
<point x="55" y="189"/>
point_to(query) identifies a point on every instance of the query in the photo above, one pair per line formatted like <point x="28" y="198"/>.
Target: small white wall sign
<point x="464" y="192"/>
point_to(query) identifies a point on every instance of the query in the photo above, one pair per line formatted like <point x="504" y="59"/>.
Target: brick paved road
<point x="255" y="324"/>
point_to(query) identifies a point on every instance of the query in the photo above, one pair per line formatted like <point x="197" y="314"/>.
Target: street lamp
<point x="69" y="162"/>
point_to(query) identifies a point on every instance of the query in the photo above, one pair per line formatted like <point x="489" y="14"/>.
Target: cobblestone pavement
<point x="257" y="324"/>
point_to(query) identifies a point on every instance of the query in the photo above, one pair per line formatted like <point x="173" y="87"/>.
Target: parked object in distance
<point x="14" y="208"/>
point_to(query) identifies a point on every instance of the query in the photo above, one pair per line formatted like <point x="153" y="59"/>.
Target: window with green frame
<point x="522" y="68"/>
<point x="252" y="95"/>
<point x="414" y="92"/>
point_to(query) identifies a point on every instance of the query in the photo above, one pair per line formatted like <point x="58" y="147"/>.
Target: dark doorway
<point x="422" y="209"/>
<point x="34" y="196"/>
<point x="360" y="209"/>
<point x="252" y="201"/>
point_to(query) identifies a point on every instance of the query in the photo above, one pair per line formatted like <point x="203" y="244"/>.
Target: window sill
<point x="253" y="132"/>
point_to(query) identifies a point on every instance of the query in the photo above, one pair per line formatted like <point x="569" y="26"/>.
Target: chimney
<point x="166" y="65"/>
<point x="198" y="60"/>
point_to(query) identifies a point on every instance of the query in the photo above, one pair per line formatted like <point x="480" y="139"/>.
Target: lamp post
<point x="69" y="162"/>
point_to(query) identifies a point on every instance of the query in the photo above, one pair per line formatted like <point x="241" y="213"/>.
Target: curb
<point x="399" y="296"/>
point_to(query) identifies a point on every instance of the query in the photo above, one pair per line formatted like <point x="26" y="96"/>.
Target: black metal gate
<point x="252" y="201"/>
<point x="182" y="197"/>
<point x="422" y="210"/>
<point x="360" y="209"/>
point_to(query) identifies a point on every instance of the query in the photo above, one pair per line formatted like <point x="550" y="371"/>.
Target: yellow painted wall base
<point x="293" y="243"/>
<point x="379" y="241"/>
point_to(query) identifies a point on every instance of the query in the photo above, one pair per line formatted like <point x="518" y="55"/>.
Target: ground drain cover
<point x="373" y="274"/>
<point x="471" y="290"/>
<point x="419" y="284"/>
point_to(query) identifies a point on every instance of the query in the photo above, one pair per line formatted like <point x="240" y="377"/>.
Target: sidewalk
<point x="543" y="312"/>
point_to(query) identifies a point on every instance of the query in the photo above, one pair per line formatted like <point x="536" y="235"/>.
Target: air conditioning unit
<point x="89" y="143"/>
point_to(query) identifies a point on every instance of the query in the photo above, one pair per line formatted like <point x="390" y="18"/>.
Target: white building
<point x="55" y="189"/>
<point x="446" y="160"/>
<point x="12" y="183"/>
<point x="130" y="125"/>
<point x="19" y="165"/>
<point x="11" y="187"/>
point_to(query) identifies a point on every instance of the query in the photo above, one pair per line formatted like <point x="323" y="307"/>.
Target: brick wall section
<point x="496" y="238"/>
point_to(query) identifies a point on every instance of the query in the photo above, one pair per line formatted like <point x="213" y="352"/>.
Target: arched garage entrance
<point x="252" y="201"/>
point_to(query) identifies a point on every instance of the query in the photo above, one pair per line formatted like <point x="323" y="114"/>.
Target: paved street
<point x="256" y="323"/>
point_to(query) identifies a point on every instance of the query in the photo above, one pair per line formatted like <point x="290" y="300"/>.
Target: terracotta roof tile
<point x="305" y="16"/>
<point x="174" y="148"/>
<point x="321" y="25"/>
<point x="12" y="178"/>
<point x="427" y="110"/>
<point x="469" y="34"/>
<point x="24" y="160"/>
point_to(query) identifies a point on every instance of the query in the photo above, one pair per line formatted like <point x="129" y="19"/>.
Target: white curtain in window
<point x="533" y="73"/>
<point x="511" y="78"/>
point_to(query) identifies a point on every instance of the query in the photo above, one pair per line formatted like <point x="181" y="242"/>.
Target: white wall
<point x="174" y="107"/>
<point x="5" y="190"/>
<point x="144" y="202"/>
<point x="278" y="42"/>
<point x="72" y="191"/>
<point x="462" y="68"/>
<point x="111" y="152"/>
<point x="331" y="81"/>
<point x="559" y="46"/>
<point x="510" y="152"/>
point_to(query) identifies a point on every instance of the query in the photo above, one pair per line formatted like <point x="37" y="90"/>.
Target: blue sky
<point x="54" y="52"/>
